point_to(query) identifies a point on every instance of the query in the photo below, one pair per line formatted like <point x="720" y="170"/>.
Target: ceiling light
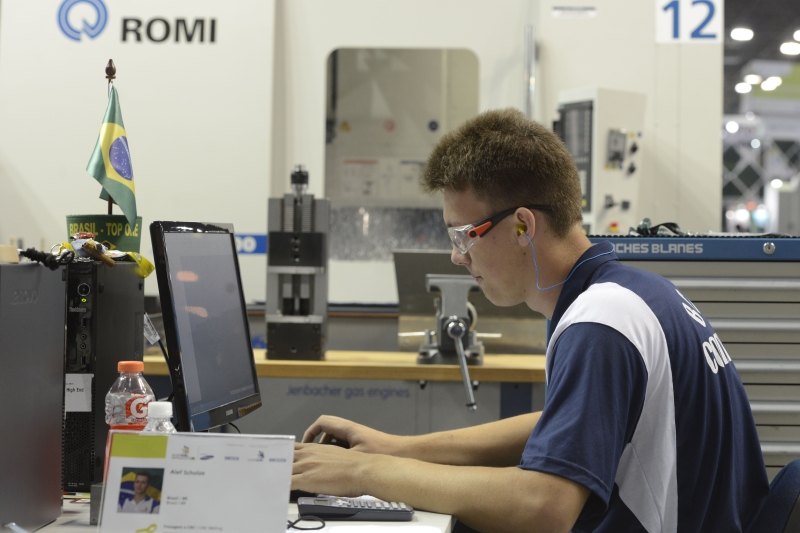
<point x="761" y="216"/>
<point x="749" y="115"/>
<point x="743" y="88"/>
<point x="771" y="83"/>
<point x="753" y="79"/>
<point x="790" y="48"/>
<point x="755" y="143"/>
<point x="741" y="34"/>
<point x="797" y="35"/>
<point x="742" y="215"/>
<point x="776" y="183"/>
<point x="732" y="126"/>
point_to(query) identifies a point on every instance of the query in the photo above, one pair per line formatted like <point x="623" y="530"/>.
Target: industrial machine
<point x="748" y="288"/>
<point x="297" y="273"/>
<point x="602" y="129"/>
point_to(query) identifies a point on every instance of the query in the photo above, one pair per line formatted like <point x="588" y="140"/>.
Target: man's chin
<point x="498" y="300"/>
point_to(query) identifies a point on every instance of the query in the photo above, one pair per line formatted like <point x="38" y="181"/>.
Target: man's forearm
<point x="488" y="499"/>
<point x="494" y="444"/>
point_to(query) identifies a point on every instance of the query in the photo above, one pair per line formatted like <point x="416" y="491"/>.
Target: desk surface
<point x="75" y="519"/>
<point x="386" y="365"/>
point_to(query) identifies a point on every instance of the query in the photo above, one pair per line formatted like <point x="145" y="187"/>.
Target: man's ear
<point x="525" y="227"/>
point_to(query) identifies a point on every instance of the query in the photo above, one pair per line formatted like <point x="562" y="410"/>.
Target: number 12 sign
<point x="689" y="21"/>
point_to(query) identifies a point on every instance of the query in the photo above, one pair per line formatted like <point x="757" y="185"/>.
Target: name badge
<point x="199" y="482"/>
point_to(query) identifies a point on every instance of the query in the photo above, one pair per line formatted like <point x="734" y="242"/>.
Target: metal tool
<point x="297" y="273"/>
<point x="455" y="339"/>
<point x="456" y="330"/>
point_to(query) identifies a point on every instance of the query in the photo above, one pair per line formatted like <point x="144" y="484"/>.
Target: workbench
<point x="386" y="365"/>
<point x="385" y="390"/>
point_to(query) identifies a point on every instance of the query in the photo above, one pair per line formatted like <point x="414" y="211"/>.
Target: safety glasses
<point x="463" y="237"/>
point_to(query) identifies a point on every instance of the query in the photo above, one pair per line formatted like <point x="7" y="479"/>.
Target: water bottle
<point x="126" y="402"/>
<point x="158" y="418"/>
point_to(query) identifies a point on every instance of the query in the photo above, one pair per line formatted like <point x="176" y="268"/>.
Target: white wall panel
<point x="309" y="30"/>
<point x="197" y="115"/>
<point x="616" y="49"/>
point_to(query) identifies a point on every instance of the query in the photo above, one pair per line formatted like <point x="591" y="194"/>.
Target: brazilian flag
<point x="110" y="163"/>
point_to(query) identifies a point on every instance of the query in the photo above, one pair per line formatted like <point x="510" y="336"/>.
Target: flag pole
<point x="111" y="74"/>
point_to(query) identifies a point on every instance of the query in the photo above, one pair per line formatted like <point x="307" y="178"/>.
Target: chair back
<point x="781" y="511"/>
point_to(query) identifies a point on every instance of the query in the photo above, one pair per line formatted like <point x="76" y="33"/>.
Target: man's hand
<point x="359" y="438"/>
<point x="489" y="499"/>
<point x="329" y="470"/>
<point x="494" y="444"/>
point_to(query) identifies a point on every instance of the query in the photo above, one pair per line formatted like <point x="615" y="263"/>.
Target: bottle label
<point x="136" y="408"/>
<point x="150" y="331"/>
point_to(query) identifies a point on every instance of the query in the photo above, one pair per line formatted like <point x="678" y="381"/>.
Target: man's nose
<point x="458" y="258"/>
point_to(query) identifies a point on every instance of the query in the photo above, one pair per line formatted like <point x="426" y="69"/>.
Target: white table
<point x="75" y="519"/>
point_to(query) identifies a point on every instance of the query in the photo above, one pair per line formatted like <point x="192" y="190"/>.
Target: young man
<point x="139" y="501"/>
<point x="646" y="426"/>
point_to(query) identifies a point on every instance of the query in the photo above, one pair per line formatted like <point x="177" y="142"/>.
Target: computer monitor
<point x="210" y="357"/>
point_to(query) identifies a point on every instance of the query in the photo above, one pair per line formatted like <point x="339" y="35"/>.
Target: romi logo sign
<point x="158" y="30"/>
<point x="92" y="29"/>
<point x="154" y="30"/>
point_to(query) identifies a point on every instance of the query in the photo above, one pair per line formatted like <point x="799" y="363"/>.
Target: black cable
<point x="163" y="351"/>
<point x="645" y="229"/>
<point x="308" y="517"/>
<point x="166" y="358"/>
<point x="234" y="427"/>
<point x="49" y="260"/>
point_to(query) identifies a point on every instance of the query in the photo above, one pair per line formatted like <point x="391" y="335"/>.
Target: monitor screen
<point x="205" y="321"/>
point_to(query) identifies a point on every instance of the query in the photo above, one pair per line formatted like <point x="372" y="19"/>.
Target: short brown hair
<point x="508" y="161"/>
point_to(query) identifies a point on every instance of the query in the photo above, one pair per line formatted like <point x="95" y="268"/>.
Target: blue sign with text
<point x="251" y="244"/>
<point x="703" y="248"/>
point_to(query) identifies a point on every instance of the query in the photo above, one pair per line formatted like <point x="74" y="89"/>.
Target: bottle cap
<point x="159" y="410"/>
<point x="130" y="366"/>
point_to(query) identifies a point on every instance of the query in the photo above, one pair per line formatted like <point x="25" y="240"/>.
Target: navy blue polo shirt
<point x="645" y="408"/>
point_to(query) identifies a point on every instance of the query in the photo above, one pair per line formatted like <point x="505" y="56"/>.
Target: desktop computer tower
<point x="31" y="393"/>
<point x="104" y="325"/>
